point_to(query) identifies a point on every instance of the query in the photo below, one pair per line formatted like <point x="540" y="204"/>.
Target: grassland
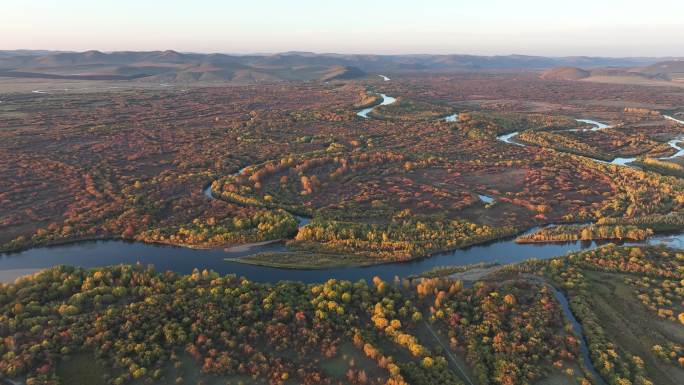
<point x="81" y="368"/>
<point x="631" y="327"/>
<point x="302" y="260"/>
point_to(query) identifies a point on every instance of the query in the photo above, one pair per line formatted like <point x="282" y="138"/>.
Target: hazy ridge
<point x="172" y="66"/>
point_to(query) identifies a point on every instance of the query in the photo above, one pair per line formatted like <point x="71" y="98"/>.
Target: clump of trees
<point x="563" y="143"/>
<point x="511" y="333"/>
<point x="565" y="233"/>
<point x="410" y="110"/>
<point x="264" y="225"/>
<point x="406" y="236"/>
<point x="660" y="166"/>
<point x="658" y="222"/>
<point x="496" y="122"/>
<point x="639" y="194"/>
<point x="138" y="323"/>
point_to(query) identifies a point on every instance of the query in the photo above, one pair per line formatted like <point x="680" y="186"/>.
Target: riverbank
<point x="228" y="247"/>
<point x="10" y="276"/>
<point x="59" y="242"/>
<point x="586" y="232"/>
<point x="303" y="261"/>
<point x="464" y="273"/>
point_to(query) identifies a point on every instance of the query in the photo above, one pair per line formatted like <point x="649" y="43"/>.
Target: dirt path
<point x="451" y="357"/>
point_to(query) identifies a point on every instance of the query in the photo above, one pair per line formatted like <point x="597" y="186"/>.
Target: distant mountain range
<point x="172" y="66"/>
<point x="663" y="71"/>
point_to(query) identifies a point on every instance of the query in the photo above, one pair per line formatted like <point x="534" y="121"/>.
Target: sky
<point x="483" y="27"/>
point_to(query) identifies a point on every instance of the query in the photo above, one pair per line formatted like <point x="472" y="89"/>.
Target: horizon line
<point x="294" y="52"/>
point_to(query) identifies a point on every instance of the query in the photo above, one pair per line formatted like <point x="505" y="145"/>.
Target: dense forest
<point x="139" y="324"/>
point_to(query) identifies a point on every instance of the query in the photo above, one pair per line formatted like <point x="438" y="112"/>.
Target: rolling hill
<point x="659" y="73"/>
<point x="565" y="73"/>
<point x="172" y="66"/>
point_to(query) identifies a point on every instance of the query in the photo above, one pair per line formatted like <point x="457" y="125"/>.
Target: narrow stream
<point x="674" y="143"/>
<point x="509" y="138"/>
<point x="577" y="327"/>
<point x="485" y="198"/>
<point x="673" y="241"/>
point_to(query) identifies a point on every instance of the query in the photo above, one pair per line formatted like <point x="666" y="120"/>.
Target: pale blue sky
<point x="573" y="27"/>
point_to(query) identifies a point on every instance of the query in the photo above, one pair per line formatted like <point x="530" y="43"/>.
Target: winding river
<point x="184" y="260"/>
<point x="386" y="100"/>
<point x="674" y="143"/>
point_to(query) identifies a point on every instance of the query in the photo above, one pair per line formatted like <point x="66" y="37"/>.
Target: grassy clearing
<point x="81" y="369"/>
<point x="561" y="378"/>
<point x="660" y="166"/>
<point x="443" y="271"/>
<point x="348" y="356"/>
<point x="189" y="373"/>
<point x="303" y="260"/>
<point x="629" y="324"/>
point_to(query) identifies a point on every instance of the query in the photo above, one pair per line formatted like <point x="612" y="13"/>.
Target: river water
<point x="385" y="101"/>
<point x="577" y="328"/>
<point x="451" y="118"/>
<point x="597" y="125"/>
<point x="184" y="260"/>
<point x="509" y="138"/>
